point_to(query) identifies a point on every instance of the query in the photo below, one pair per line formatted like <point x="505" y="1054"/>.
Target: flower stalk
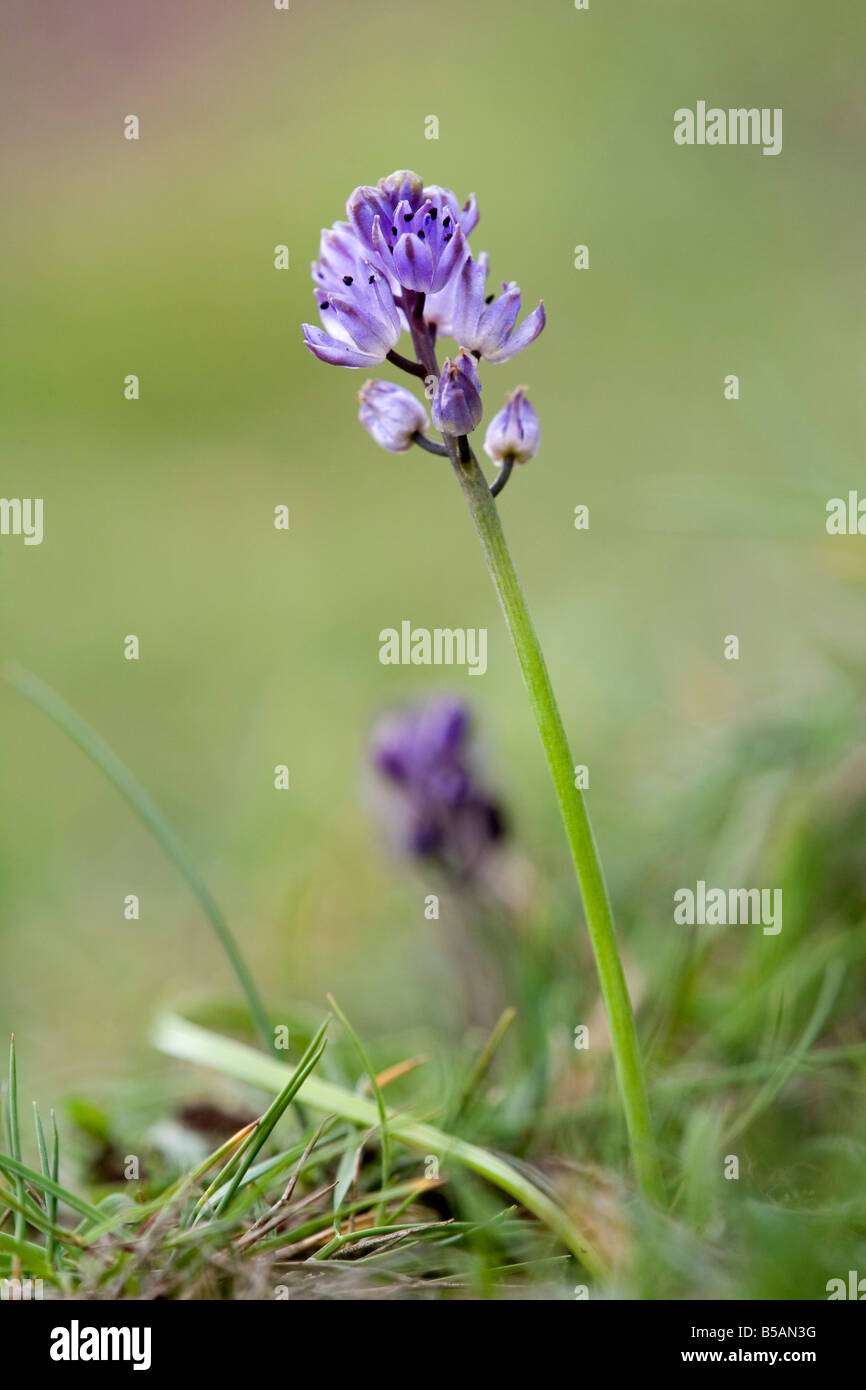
<point x="625" y="1046"/>
<point x="405" y="250"/>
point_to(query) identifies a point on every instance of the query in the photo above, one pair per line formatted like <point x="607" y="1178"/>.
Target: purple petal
<point x="413" y="263"/>
<point x="521" y="337"/>
<point x="443" y="725"/>
<point x="339" y="251"/>
<point x="361" y="327"/>
<point x="335" y="352"/>
<point x="469" y="215"/>
<point x="363" y="207"/>
<point x="497" y="322"/>
<point x="468" y="300"/>
<point x="451" y="258"/>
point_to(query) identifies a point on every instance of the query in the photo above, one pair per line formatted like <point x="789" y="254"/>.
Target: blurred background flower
<point x="443" y="811"/>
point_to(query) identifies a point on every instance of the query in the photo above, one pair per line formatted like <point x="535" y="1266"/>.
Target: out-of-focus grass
<point x="756" y="1065"/>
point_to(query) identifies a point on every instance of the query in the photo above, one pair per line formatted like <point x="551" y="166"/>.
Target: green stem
<point x="628" y="1061"/>
<point x="624" y="1040"/>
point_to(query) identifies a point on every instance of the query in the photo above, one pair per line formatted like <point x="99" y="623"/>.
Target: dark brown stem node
<point x="405" y="364"/>
<point x="504" y="474"/>
<point x="430" y="445"/>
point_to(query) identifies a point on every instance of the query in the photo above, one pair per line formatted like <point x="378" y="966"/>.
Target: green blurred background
<point x="259" y="647"/>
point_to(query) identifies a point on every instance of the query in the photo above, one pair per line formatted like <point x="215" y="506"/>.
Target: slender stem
<point x="624" y="1041"/>
<point x="505" y="473"/>
<point x="430" y="445"/>
<point x="625" y="1046"/>
<point x="406" y="364"/>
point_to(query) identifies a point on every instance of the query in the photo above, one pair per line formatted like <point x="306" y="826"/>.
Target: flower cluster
<point x="424" y="755"/>
<point x="402" y="263"/>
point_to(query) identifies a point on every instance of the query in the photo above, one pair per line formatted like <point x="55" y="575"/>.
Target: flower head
<point x="514" y="432"/>
<point x="391" y="414"/>
<point x="424" y="755"/>
<point x="401" y="262"/>
<point x="361" y="316"/>
<point x="489" y="329"/>
<point x="416" y="235"/>
<point x="457" y="405"/>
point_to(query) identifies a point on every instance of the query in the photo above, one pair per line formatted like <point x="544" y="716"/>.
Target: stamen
<point x="347" y="279"/>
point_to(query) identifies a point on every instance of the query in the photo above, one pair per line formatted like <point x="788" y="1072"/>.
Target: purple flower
<point x="439" y="308"/>
<point x="402" y="262"/>
<point x="416" y="235"/>
<point x="457" y="405"/>
<point x="424" y="756"/>
<point x="489" y="330"/>
<point x="339" y="254"/>
<point x="369" y="202"/>
<point x="391" y="414"/>
<point x="362" y="319"/>
<point x="514" y="432"/>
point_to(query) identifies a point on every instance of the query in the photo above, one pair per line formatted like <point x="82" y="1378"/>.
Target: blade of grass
<point x="14" y="1137"/>
<point x="377" y="1234"/>
<point x="322" y="1221"/>
<point x="35" y="1216"/>
<point x="179" y="1038"/>
<point x="484" y="1060"/>
<point x="401" y="1069"/>
<point x="172" y="1195"/>
<point x="50" y="1169"/>
<point x="347" y="1170"/>
<point x="377" y="1092"/>
<point x="268" y="1121"/>
<point x="830" y="987"/>
<point x="90" y="742"/>
<point x="279" y="1211"/>
<point x="14" y="1169"/>
<point x="30" y="1256"/>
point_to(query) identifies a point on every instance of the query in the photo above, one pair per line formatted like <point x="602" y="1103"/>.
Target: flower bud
<point x="514" y="432"/>
<point x="391" y="415"/>
<point x="457" y="405"/>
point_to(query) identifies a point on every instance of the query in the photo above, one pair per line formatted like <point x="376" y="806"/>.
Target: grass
<point x="365" y="1172"/>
